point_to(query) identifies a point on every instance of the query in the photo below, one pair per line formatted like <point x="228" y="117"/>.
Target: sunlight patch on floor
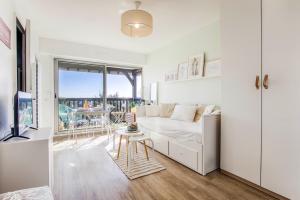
<point x="72" y="164"/>
<point x="83" y="143"/>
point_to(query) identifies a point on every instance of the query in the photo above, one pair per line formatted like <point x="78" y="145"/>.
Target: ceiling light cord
<point x="137" y="4"/>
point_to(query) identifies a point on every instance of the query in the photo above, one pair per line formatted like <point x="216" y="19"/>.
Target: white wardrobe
<point x="260" y="139"/>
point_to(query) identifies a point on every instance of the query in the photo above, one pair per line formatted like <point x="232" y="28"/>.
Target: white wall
<point x="50" y="49"/>
<point x="7" y="67"/>
<point x="46" y="92"/>
<point x="207" y="40"/>
<point x="155" y="65"/>
<point x="66" y="49"/>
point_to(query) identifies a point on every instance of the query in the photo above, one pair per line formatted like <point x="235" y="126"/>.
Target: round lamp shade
<point x="137" y="23"/>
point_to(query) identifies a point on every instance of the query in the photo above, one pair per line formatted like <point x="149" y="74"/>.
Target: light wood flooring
<point x="85" y="172"/>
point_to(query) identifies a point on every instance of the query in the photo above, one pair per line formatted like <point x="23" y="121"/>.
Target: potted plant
<point x="132" y="106"/>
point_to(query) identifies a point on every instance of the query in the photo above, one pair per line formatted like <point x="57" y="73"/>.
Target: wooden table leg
<point x="127" y="144"/>
<point x="114" y="142"/>
<point x="136" y="151"/>
<point x="119" y="149"/>
<point x="146" y="151"/>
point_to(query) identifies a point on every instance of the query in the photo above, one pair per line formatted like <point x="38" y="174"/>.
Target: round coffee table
<point x="123" y="133"/>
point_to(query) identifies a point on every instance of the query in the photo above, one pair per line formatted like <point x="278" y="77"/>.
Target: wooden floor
<point x="86" y="171"/>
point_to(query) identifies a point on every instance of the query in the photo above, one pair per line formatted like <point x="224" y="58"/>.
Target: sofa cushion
<point x="199" y="113"/>
<point x="166" y="110"/>
<point x="184" y="113"/>
<point x="179" y="130"/>
<point x="152" y="110"/>
<point x="209" y="109"/>
<point x="216" y="112"/>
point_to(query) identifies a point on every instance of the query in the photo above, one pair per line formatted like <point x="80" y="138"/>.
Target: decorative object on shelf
<point x="130" y="118"/>
<point x="137" y="23"/>
<point x="5" y="33"/>
<point x="171" y="76"/>
<point x="196" y="64"/>
<point x="183" y="69"/>
<point x="195" y="69"/>
<point x="167" y="77"/>
<point x="213" y="68"/>
<point x="132" y="127"/>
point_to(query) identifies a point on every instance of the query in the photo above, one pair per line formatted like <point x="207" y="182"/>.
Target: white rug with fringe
<point x="139" y="166"/>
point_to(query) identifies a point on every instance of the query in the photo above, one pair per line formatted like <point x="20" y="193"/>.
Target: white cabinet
<point x="280" y="102"/>
<point x="27" y="163"/>
<point x="260" y="138"/>
<point x="241" y="101"/>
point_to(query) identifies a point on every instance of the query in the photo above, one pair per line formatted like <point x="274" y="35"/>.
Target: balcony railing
<point x="119" y="104"/>
<point x="69" y="107"/>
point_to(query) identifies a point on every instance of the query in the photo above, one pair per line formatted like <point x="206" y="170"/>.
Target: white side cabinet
<point x="27" y="163"/>
<point x="260" y="88"/>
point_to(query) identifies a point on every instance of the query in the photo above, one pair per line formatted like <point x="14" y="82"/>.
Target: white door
<point x="281" y="101"/>
<point x="241" y="100"/>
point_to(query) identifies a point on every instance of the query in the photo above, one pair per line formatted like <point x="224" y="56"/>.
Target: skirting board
<point x="277" y="196"/>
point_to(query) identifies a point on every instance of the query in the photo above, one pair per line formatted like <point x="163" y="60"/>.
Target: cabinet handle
<point x="257" y="82"/>
<point x="266" y="82"/>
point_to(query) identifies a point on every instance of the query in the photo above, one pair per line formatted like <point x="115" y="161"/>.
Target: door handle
<point x="266" y="82"/>
<point x="257" y="82"/>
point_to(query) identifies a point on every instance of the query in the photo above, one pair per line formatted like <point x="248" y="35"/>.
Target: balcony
<point x="77" y="114"/>
<point x="92" y="94"/>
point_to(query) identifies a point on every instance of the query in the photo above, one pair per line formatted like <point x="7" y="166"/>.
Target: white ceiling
<point x="97" y="22"/>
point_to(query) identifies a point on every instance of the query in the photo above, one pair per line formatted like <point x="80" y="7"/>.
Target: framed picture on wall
<point x="5" y="33"/>
<point x="171" y="76"/>
<point x="213" y="68"/>
<point x="183" y="69"/>
<point x="196" y="64"/>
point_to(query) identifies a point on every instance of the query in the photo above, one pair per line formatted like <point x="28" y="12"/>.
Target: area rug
<point x="139" y="167"/>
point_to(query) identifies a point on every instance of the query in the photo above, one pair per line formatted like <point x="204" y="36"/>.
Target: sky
<point x="74" y="84"/>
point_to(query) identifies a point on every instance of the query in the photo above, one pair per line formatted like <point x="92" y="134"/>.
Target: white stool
<point x="133" y="141"/>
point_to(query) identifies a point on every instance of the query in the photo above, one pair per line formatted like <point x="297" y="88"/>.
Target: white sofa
<point x="193" y="144"/>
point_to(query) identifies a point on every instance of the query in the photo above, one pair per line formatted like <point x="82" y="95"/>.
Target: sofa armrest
<point x="211" y="142"/>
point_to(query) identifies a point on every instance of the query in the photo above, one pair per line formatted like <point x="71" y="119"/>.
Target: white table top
<point x="124" y="132"/>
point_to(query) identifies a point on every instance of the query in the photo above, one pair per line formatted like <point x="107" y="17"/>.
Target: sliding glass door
<point x="80" y="86"/>
<point x="84" y="88"/>
<point x="123" y="88"/>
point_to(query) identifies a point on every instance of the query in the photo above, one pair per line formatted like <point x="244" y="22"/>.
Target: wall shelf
<point x="193" y="79"/>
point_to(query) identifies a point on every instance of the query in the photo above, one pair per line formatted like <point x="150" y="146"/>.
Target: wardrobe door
<point x="241" y="99"/>
<point x="281" y="100"/>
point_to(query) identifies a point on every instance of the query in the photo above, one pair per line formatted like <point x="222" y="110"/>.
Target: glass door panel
<point x="80" y="91"/>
